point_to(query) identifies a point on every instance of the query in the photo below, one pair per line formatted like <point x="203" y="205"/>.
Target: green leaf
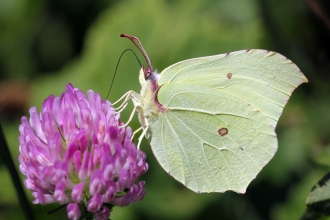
<point x="320" y="192"/>
<point x="318" y="200"/>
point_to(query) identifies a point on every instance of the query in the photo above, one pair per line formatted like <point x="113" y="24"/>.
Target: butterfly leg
<point x="130" y="95"/>
<point x="137" y="102"/>
<point x="122" y="108"/>
<point x="130" y="118"/>
<point x="135" y="132"/>
<point x="127" y="97"/>
<point x="136" y="99"/>
<point x="141" y="137"/>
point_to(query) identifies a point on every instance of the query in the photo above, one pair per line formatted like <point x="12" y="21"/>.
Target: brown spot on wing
<point x="223" y="131"/>
<point x="229" y="75"/>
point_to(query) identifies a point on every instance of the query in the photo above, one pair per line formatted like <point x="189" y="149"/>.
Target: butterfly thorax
<point x="150" y="87"/>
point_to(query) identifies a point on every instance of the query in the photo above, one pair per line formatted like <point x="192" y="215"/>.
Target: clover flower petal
<point x="76" y="151"/>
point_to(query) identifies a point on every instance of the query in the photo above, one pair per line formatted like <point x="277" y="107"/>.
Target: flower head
<point x="77" y="151"/>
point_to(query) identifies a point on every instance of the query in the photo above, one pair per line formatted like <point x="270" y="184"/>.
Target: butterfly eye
<point x="147" y="72"/>
<point x="147" y="75"/>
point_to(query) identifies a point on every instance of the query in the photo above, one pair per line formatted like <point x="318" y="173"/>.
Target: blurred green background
<point x="46" y="44"/>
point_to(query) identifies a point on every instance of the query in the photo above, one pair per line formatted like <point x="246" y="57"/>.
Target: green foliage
<point x="320" y="192"/>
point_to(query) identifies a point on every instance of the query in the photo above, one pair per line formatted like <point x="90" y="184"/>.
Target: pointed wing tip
<point x="304" y="80"/>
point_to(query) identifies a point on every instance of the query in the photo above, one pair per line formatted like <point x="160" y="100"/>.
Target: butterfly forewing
<point x="260" y="78"/>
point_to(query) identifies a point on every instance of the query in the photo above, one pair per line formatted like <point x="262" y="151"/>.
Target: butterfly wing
<point x="218" y="130"/>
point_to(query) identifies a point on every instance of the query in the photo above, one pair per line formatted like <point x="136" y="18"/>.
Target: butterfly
<point x="211" y="120"/>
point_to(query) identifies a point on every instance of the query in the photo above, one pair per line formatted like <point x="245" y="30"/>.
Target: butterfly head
<point x="145" y="76"/>
<point x="147" y="72"/>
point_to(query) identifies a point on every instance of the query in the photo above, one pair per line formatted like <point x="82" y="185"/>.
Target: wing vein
<point x="183" y="150"/>
<point x="184" y="124"/>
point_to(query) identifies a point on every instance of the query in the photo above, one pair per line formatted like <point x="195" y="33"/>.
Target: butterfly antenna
<point x="138" y="44"/>
<point x="113" y="79"/>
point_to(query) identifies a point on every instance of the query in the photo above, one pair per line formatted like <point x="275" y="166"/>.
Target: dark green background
<point x="46" y="44"/>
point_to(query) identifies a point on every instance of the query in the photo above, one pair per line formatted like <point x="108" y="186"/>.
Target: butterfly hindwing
<point x="210" y="144"/>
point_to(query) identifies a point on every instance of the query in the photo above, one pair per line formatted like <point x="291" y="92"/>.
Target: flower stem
<point x="6" y="157"/>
